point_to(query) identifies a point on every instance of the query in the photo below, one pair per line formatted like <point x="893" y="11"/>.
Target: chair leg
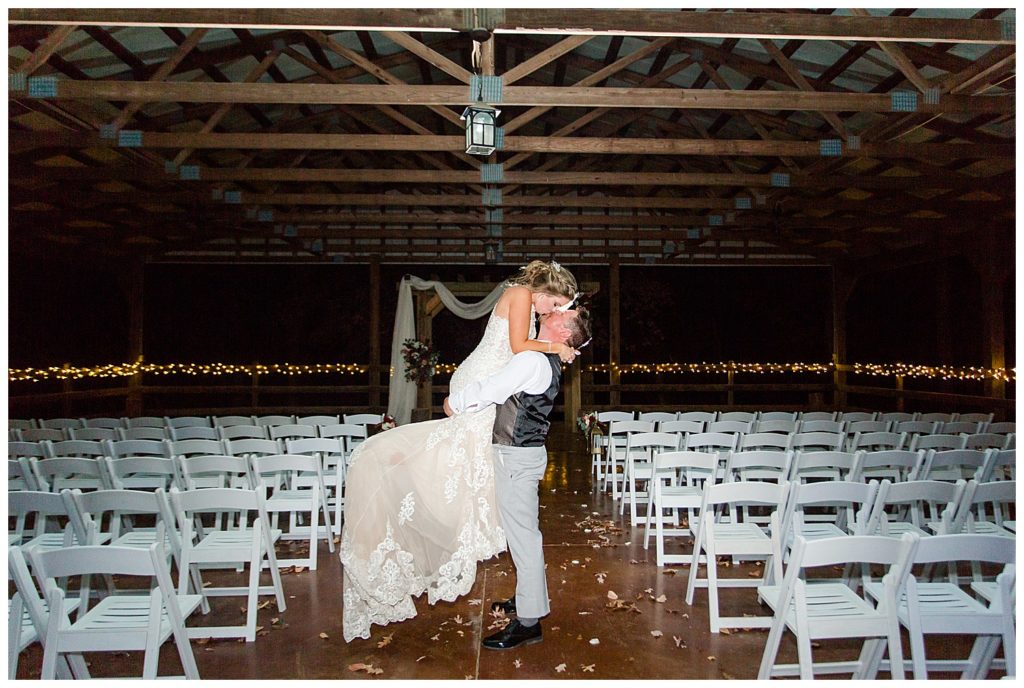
<point x="314" y="537"/>
<point x="1009" y="649"/>
<point x="14" y="615"/>
<point x="871" y="653"/>
<point x="895" y="650"/>
<point x="771" y="647"/>
<point x="803" y="649"/>
<point x="152" y="653"/>
<point x="712" y="567"/>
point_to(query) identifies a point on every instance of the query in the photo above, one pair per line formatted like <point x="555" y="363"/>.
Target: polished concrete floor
<point x="590" y="553"/>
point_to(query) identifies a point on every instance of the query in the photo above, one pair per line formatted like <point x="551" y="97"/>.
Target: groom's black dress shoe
<point x="508" y="606"/>
<point x="514" y="635"/>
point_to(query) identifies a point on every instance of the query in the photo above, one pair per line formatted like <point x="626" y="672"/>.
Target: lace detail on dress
<point x="441" y="472"/>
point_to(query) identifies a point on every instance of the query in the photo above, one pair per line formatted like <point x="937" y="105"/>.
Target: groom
<point x="524" y="391"/>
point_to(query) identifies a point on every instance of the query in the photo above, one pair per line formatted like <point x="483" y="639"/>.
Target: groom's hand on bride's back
<point x="447" y="408"/>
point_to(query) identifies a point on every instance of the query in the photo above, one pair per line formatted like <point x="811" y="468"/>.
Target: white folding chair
<point x="704" y="417"/>
<point x="729" y="425"/>
<point x="875" y="441"/>
<point x="61" y="423"/>
<point x="681" y="428"/>
<point x="27" y="616"/>
<point x="21" y="423"/>
<point x="952" y="464"/>
<point x="194" y="432"/>
<point x="93" y="434"/>
<point x="1001" y="464"/>
<point x="679" y="479"/>
<point x="774" y="426"/>
<point x="757" y="466"/>
<point x="117" y="622"/>
<point x="936" y="417"/>
<point x="986" y="440"/>
<point x="1001" y="428"/>
<point x="599" y="444"/>
<point x="188" y="422"/>
<point x="41" y="434"/>
<point x="960" y="427"/>
<point x="295" y="497"/>
<point x="858" y="417"/>
<point x="777" y="415"/>
<point x="895" y="465"/>
<point x="144" y="432"/>
<point x="47" y="511"/>
<point x="819" y="610"/>
<point x="826" y="510"/>
<point x="656" y="416"/>
<point x="252" y="542"/>
<point x="817" y="441"/>
<point x="720" y="443"/>
<point x="805" y="416"/>
<point x="983" y="418"/>
<point x="741" y="416"/>
<point x="271" y="421"/>
<point x="618" y="432"/>
<point x="19" y="474"/>
<point x="821" y="426"/>
<point x="736" y="538"/>
<point x="909" y="507"/>
<point x="640" y="450"/>
<point x="318" y="420"/>
<point x="915" y="427"/>
<point x="243" y="432"/>
<point x="944" y="608"/>
<point x="998" y="498"/>
<point x="56" y="474"/>
<point x="363" y="418"/>
<point x="938" y="442"/>
<point x="292" y="431"/>
<point x="854" y="426"/>
<point x="145" y="422"/>
<point x="822" y="465"/>
<point x="331" y="454"/>
<point x="768" y="441"/>
<point x="228" y="421"/>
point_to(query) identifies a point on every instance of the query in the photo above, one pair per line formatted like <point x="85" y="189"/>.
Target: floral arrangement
<point x="586" y="422"/>
<point x="385" y="424"/>
<point x="420" y="360"/>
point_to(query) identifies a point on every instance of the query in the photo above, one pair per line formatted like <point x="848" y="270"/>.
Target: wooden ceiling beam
<point x="539" y="96"/>
<point x="542" y="59"/>
<point x="564" y="21"/>
<point x="47" y="47"/>
<point x="428" y="54"/>
<point x="529" y="144"/>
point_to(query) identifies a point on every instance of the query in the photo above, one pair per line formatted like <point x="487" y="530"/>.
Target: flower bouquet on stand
<point x="386" y="424"/>
<point x="587" y="422"/>
<point x="420" y="359"/>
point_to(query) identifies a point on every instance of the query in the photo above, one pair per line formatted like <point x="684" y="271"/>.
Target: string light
<point x="115" y="370"/>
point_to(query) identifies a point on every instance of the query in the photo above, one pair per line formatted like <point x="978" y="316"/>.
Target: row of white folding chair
<point x="820" y="609"/>
<point x="153" y="427"/>
<point x="142" y="621"/>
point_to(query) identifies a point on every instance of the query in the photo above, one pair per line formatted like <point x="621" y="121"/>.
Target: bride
<point x="419" y="500"/>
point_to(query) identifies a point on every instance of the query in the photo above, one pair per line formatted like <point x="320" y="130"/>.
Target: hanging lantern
<point x="480" y="128"/>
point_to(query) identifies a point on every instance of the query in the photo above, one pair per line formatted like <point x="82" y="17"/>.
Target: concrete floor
<point x="583" y="637"/>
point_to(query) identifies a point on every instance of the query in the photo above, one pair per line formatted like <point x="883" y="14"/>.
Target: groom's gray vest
<point x="522" y="421"/>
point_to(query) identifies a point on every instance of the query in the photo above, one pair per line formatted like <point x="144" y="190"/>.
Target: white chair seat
<point x="47" y="542"/>
<point x="817" y="531"/>
<point x="120" y="617"/>
<point x="827" y="600"/>
<point x="13" y="539"/>
<point x="986" y="590"/>
<point x="939" y="599"/>
<point x="219" y="541"/>
<point x="680" y="496"/>
<point x="140" y="539"/>
<point x="897" y="528"/>
<point x="741" y="538"/>
<point x="990" y="528"/>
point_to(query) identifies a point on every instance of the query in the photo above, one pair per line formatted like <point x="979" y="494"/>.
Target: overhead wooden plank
<point x="570" y="96"/>
<point x="899" y="58"/>
<point x="46" y="48"/>
<point x="545" y="57"/>
<point x="429" y="54"/>
<point x="801" y="82"/>
<point x="773" y="25"/>
<point x="532" y="144"/>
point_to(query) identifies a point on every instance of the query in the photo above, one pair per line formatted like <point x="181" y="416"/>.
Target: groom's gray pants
<point x="517" y="474"/>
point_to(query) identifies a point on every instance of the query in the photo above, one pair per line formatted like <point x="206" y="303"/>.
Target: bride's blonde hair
<point x="548" y="278"/>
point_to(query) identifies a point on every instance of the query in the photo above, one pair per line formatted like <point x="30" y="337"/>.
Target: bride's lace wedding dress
<point x="420" y="507"/>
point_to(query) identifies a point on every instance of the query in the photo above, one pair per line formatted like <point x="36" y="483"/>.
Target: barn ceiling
<point x="642" y="136"/>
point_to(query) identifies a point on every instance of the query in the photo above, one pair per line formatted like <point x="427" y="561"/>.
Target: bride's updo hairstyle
<point x="548" y="278"/>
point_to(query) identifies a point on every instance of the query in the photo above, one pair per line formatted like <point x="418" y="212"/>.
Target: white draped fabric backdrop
<point x="402" y="392"/>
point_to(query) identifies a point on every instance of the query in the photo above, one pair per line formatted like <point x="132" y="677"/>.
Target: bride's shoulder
<point x="514" y="294"/>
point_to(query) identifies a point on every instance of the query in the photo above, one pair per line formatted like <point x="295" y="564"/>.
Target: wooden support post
<point x="374" y="381"/>
<point x="133" y="402"/>
<point x="944" y="320"/>
<point x="572" y="391"/>
<point x="994" y="272"/>
<point x="730" y="395"/>
<point x="614" y="331"/>
<point x="843" y="283"/>
<point x="254" y="390"/>
<point x="65" y="400"/>
<point x="901" y="404"/>
<point x="424" y="332"/>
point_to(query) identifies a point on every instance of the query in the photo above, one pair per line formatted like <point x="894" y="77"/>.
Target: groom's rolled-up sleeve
<point x="528" y="371"/>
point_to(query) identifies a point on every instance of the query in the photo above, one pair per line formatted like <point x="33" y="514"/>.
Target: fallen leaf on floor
<point x="259" y="628"/>
<point x="436" y="637"/>
<point x="595" y="641"/>
<point x="584" y="613"/>
<point x="725" y="631"/>
<point x="385" y="641"/>
<point x="679" y="642"/>
<point x="657" y="634"/>
<point x="469" y="677"/>
<point x="661" y="599"/>
<point x="368" y="668"/>
<point x="517" y="663"/>
<point x="262" y="633"/>
<point x="728" y="677"/>
<point x="419" y="658"/>
<point x="633" y="561"/>
<point x="588" y="667"/>
<point x="815" y="644"/>
<point x="560" y="668"/>
<point x="754" y="574"/>
<point x="649" y="591"/>
<point x="461" y="633"/>
<point x="612" y="595"/>
<point x="639" y="596"/>
<point x="458" y="619"/>
<point x="668" y="572"/>
<point x="475" y="603"/>
<point x="601" y="576"/>
<point x="300" y="569"/>
<point x="201" y="641"/>
<point x="324" y="636"/>
<point x="712" y="658"/>
<point x="672" y="611"/>
<point x="555" y="628"/>
<point x="502" y="573"/>
<point x="263" y="605"/>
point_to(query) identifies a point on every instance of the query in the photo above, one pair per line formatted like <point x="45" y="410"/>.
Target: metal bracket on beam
<point x="291" y="231"/>
<point x="779" y="178"/>
<point x="490" y="197"/>
<point x="108" y="131"/>
<point x="904" y="101"/>
<point x="743" y="203"/>
<point x="233" y="197"/>
<point x="715" y="220"/>
<point x="189" y="172"/>
<point x="830" y="148"/>
<point x="170" y="167"/>
<point x="42" y="87"/>
<point x="129" y="138"/>
<point x="482" y="17"/>
<point x="492" y="173"/>
<point x="265" y="216"/>
<point x="932" y="96"/>
<point x="485" y="88"/>
<point x="853" y="142"/>
<point x="17" y="81"/>
<point x="693" y="234"/>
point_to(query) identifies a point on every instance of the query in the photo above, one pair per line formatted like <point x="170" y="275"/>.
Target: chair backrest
<point x="857" y="417"/>
<point x="695" y="465"/>
<point x="760" y="466"/>
<point x="777" y="415"/>
<point x="252" y="447"/>
<point x="26" y="449"/>
<point x="897" y="416"/>
<point x="747" y="494"/>
<point x="976" y="417"/>
<point x="877" y="441"/>
<point x="349" y="433"/>
<point x="785" y="426"/>
<point x="959" y="461"/>
<point x="609" y="416"/>
<point x="271" y="421"/>
<point x="228" y="421"/>
<point x="89" y="511"/>
<point x="866" y="426"/>
<point x="41" y="434"/>
<point x="292" y="431"/>
<point x="853" y="502"/>
<point x="142" y="472"/>
<point x="817" y="415"/>
<point x="857" y="549"/>
<point x="1001" y="428"/>
<point x="986" y="440"/>
<point x="125" y="448"/>
<point x="93" y="434"/>
<point x="21" y="423"/>
<point x="107" y="423"/>
<point x="193" y="502"/>
<point x="657" y="416"/>
<point x="825" y="441"/>
<point x="827" y="465"/>
<point x="362" y="418"/>
<point x="144" y="432"/>
<point x="971" y="547"/>
<point x="318" y="420"/>
<point x="763" y="440"/>
<point x="896" y="464"/>
<point x="741" y="416"/>
<point x="925" y="499"/>
<point x="680" y="427"/>
<point x="44" y="507"/>
<point x="146" y="422"/>
<point x="196" y="447"/>
<point x="624" y="427"/>
<point x="832" y="426"/>
<point x="1000" y="496"/>
<point x="1001" y="464"/>
<point x="698" y="416"/>
<point x="657" y="441"/>
<point x="937" y="441"/>
<point x="18" y="571"/>
<point x="286" y="465"/>
<point x="916" y="427"/>
<point x="195" y="432"/>
<point x="61" y="423"/>
<point x="188" y="422"/>
<point x="54" y="475"/>
<point x="729" y="425"/>
<point x="960" y="427"/>
<point x="76" y="449"/>
<point x="197" y="471"/>
<point x="939" y="417"/>
<point x="19" y="475"/>
<point x="240" y="432"/>
<point x="715" y="441"/>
